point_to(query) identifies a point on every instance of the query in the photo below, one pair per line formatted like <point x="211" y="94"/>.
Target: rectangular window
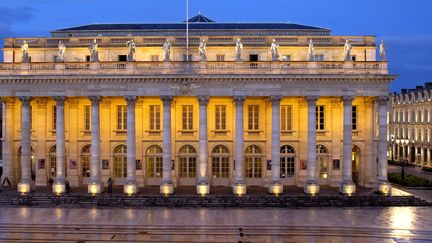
<point x="87" y="117"/>
<point x="87" y="58"/>
<point x="122" y="58"/>
<point x="121" y="117"/>
<point x="319" y="58"/>
<point x="286" y="118"/>
<point x="155" y="117"/>
<point x="354" y="118"/>
<point x="406" y="117"/>
<point x="425" y="117"/>
<point x="412" y="120"/>
<point x="419" y="116"/>
<point x="188" y="59"/>
<point x="154" y="58"/>
<point x="54" y="118"/>
<point x="253" y="117"/>
<point x="320" y="119"/>
<point x="187" y="113"/>
<point x="220" y="57"/>
<point x="220" y="117"/>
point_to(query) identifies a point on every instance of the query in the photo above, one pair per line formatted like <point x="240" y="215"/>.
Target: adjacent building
<point x="235" y="104"/>
<point x="411" y="120"/>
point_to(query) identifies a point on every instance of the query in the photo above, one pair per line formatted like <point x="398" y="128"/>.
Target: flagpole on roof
<point x="187" y="30"/>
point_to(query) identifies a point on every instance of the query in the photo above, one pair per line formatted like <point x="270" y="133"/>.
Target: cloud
<point x="10" y="16"/>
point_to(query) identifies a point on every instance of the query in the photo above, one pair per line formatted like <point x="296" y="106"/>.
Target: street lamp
<point x="403" y="142"/>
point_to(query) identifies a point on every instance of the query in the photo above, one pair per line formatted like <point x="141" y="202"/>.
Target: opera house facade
<point x="233" y="104"/>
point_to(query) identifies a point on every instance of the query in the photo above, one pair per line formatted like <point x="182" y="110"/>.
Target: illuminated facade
<point x="411" y="119"/>
<point x="222" y="121"/>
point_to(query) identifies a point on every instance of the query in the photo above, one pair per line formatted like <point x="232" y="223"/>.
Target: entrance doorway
<point x="355" y="163"/>
<point x="253" y="58"/>
<point x="32" y="164"/>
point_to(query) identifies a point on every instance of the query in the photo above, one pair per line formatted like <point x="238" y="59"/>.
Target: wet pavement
<point x="378" y="224"/>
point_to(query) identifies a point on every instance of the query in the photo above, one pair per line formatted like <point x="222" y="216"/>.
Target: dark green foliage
<point x="409" y="180"/>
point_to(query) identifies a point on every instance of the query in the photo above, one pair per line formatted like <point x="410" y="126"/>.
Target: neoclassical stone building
<point x="239" y="115"/>
<point x="411" y="119"/>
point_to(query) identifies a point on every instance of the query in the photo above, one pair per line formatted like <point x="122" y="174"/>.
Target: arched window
<point x="154" y="161"/>
<point x="85" y="160"/>
<point x="287" y="161"/>
<point x="187" y="156"/>
<point x="120" y="161"/>
<point x="253" y="161"/>
<point x="322" y="157"/>
<point x="220" y="162"/>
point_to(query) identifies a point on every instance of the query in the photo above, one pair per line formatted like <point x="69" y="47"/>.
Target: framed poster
<point x="269" y="164"/>
<point x="172" y="165"/>
<point x="41" y="164"/>
<point x="105" y="164"/>
<point x="138" y="164"/>
<point x="73" y="164"/>
<point x="303" y="164"/>
<point x="336" y="164"/>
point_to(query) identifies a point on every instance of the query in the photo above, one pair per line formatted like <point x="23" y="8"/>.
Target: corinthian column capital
<point x="25" y="100"/>
<point x="203" y="100"/>
<point x="239" y="99"/>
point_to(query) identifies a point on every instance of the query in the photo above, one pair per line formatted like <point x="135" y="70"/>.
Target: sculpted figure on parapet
<point x="61" y="51"/>
<point x="25" y="52"/>
<point x="347" y="50"/>
<point x="94" y="53"/>
<point x="167" y="49"/>
<point x="239" y="48"/>
<point x="311" y="51"/>
<point x="202" y="50"/>
<point x="131" y="50"/>
<point x="382" y="51"/>
<point x="274" y="50"/>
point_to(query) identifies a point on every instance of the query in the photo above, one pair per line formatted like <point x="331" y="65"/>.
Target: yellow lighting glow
<point x="239" y="189"/>
<point x="276" y="189"/>
<point x="24" y="188"/>
<point x="203" y="189"/>
<point x="130" y="189"/>
<point x="312" y="189"/>
<point x="59" y="188"/>
<point x="348" y="189"/>
<point x="166" y="189"/>
<point x="385" y="188"/>
<point x="94" y="189"/>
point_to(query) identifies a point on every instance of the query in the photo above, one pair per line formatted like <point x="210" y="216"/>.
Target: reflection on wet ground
<point x="393" y="224"/>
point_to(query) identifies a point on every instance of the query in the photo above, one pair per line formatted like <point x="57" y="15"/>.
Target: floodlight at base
<point x="24" y="187"/>
<point x="166" y="189"/>
<point x="59" y="188"/>
<point x="311" y="189"/>
<point x="239" y="189"/>
<point x="348" y="188"/>
<point x="384" y="188"/>
<point x="203" y="189"/>
<point x="275" y="188"/>
<point x="130" y="189"/>
<point x="95" y="188"/>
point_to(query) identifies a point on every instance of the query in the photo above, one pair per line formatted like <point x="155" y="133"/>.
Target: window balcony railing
<point x="174" y="67"/>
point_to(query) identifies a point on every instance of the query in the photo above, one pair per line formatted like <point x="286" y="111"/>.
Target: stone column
<point x="8" y="142"/>
<point x="275" y="186"/>
<point x="59" y="181"/>
<point x="383" y="185"/>
<point x="203" y="187"/>
<point x="239" y="187"/>
<point x="429" y="157"/>
<point x="167" y="186"/>
<point x="95" y="186"/>
<point x="130" y="186"/>
<point x="311" y="188"/>
<point x="24" y="184"/>
<point x="347" y="187"/>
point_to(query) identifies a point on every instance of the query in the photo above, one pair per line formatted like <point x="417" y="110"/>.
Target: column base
<point x="239" y="189"/>
<point x="59" y="188"/>
<point x="166" y="188"/>
<point x="384" y="188"/>
<point x="203" y="189"/>
<point x="347" y="188"/>
<point x="275" y="188"/>
<point x="311" y="188"/>
<point x="130" y="188"/>
<point x="24" y="187"/>
<point x="95" y="188"/>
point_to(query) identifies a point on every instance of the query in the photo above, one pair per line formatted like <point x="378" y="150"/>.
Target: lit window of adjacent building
<point x="320" y="117"/>
<point x="220" y="117"/>
<point x="155" y="117"/>
<point x="54" y="118"/>
<point x="187" y="115"/>
<point x="253" y="117"/>
<point x="406" y="116"/>
<point x="354" y="118"/>
<point x="419" y="116"/>
<point x="87" y="118"/>
<point x="425" y="117"/>
<point x="220" y="57"/>
<point x="121" y="117"/>
<point x="425" y="137"/>
<point x="412" y="120"/>
<point x="286" y="118"/>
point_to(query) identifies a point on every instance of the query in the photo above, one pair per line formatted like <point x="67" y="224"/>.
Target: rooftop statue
<point x="25" y="52"/>
<point x="347" y="50"/>
<point x="274" y="50"/>
<point x="61" y="51"/>
<point x="131" y="50"/>
<point x="202" y="50"/>
<point x="382" y="51"/>
<point x="311" y="51"/>
<point x="239" y="48"/>
<point x="167" y="49"/>
<point x="94" y="53"/>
